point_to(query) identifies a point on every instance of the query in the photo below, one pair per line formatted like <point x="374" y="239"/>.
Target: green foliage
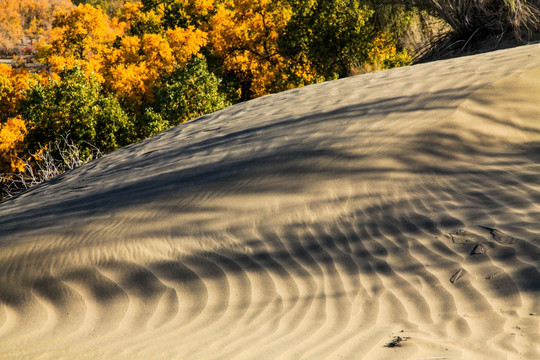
<point x="319" y="28"/>
<point x="336" y="36"/>
<point x="74" y="106"/>
<point x="150" y="123"/>
<point x="189" y="92"/>
<point x="391" y="17"/>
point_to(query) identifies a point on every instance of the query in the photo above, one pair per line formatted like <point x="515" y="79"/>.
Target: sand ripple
<point x="392" y="215"/>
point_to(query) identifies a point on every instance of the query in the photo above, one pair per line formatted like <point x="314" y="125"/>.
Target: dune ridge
<point x="392" y="215"/>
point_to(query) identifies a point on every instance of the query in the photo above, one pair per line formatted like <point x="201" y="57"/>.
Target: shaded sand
<point x="393" y="215"/>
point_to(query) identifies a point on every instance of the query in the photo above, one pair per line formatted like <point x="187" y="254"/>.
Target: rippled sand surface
<point x="393" y="215"/>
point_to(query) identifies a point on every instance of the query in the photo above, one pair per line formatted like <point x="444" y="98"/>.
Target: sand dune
<point x="329" y="222"/>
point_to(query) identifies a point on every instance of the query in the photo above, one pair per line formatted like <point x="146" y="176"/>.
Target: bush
<point x="74" y="106"/>
<point x="339" y="36"/>
<point x="189" y="92"/>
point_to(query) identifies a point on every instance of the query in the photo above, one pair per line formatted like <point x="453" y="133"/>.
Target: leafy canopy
<point x="73" y="105"/>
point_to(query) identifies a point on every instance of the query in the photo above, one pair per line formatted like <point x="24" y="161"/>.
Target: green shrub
<point x="339" y="36"/>
<point x="189" y="92"/>
<point x="74" y="106"/>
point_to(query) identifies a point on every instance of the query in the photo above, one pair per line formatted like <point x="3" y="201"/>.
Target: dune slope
<point x="393" y="215"/>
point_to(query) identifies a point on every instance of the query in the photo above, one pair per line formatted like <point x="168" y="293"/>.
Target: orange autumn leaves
<point x="131" y="69"/>
<point x="245" y="35"/>
<point x="127" y="62"/>
<point x="12" y="134"/>
<point x="131" y="52"/>
<point x="12" y="127"/>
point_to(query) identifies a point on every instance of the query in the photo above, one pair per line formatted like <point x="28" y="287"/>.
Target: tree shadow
<point x="449" y="171"/>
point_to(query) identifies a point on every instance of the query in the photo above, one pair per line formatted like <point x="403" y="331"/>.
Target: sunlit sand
<point x="392" y="215"/>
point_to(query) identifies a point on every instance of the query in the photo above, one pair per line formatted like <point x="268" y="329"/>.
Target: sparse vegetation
<point x="473" y="21"/>
<point x="467" y="17"/>
<point x="48" y="162"/>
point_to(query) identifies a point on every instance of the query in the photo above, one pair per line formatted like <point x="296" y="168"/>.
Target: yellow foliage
<point x="123" y="53"/>
<point x="127" y="52"/>
<point x="130" y="54"/>
<point x="157" y="53"/>
<point x="11" y="133"/>
<point x="135" y="21"/>
<point x="12" y="83"/>
<point x="11" y="136"/>
<point x="138" y="61"/>
<point x="79" y="38"/>
<point x="81" y="32"/>
<point x="59" y="62"/>
<point x="199" y="7"/>
<point x="245" y="35"/>
<point x="185" y="43"/>
<point x="129" y="81"/>
<point x="383" y="54"/>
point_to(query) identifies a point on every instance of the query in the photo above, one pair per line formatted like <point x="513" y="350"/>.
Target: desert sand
<point x="391" y="215"/>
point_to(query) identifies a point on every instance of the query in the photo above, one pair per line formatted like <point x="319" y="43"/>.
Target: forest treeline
<point x="94" y="75"/>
